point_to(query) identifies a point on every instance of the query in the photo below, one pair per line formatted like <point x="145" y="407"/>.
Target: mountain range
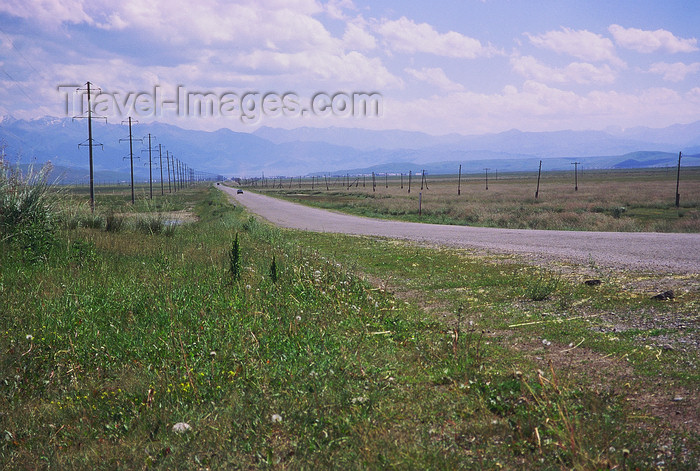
<point x="305" y="151"/>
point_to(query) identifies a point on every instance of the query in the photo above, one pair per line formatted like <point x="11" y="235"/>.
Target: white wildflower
<point x="276" y="418"/>
<point x="181" y="427"/>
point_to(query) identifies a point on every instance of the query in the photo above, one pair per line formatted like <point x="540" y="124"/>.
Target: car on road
<point x="239" y="192"/>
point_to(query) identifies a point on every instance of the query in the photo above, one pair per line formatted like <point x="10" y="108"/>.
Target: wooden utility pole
<point x="92" y="176"/>
<point x="678" y="181"/>
<point x="150" y="167"/>
<point x="409" y="181"/>
<point x="487" y="177"/>
<point x="539" y="172"/>
<point x="90" y="144"/>
<point x="167" y="158"/>
<point x="459" y="181"/>
<point x="131" y="157"/>
<point x="160" y="157"/>
<point x="576" y="164"/>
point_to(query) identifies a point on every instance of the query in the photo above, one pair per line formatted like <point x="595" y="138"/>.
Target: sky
<point x="468" y="67"/>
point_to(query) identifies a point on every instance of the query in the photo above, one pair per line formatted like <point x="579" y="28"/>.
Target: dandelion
<point x="276" y="418"/>
<point x="30" y="337"/>
<point x="298" y="318"/>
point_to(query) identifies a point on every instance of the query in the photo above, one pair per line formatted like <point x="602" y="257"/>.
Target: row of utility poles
<point x="180" y="175"/>
<point x="424" y="182"/>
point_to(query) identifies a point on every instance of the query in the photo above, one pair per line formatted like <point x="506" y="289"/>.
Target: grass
<point x="607" y="200"/>
<point x="116" y="336"/>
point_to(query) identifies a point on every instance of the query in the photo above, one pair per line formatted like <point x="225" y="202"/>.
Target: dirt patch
<point x="654" y="402"/>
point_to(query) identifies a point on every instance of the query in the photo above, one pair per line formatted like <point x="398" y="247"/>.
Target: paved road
<point x="674" y="253"/>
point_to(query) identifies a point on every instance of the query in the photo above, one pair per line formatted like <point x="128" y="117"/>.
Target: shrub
<point x="113" y="222"/>
<point x="150" y="223"/>
<point x="541" y="287"/>
<point x="27" y="214"/>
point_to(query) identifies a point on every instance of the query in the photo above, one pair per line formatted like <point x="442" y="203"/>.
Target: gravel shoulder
<point x="640" y="251"/>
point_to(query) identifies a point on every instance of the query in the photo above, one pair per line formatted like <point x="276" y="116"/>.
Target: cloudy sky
<point x="467" y="66"/>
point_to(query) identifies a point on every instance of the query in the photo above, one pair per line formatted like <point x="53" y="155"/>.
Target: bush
<point x="27" y="215"/>
<point x="151" y="224"/>
<point x="113" y="222"/>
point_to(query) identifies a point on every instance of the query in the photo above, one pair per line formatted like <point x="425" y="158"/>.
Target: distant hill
<point x="530" y="164"/>
<point x="303" y="151"/>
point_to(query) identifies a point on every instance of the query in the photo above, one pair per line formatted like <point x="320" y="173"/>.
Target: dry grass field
<point x="606" y="200"/>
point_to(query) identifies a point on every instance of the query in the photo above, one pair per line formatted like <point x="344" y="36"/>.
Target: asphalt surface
<point x="648" y="251"/>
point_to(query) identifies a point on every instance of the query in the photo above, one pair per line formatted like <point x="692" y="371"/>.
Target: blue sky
<point x="470" y="66"/>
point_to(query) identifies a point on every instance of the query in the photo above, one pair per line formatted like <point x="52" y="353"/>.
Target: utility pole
<point x="179" y="175"/>
<point x="150" y="167"/>
<point x="678" y="181"/>
<point x="487" y="177"/>
<point x="160" y="156"/>
<point x="374" y="183"/>
<point x="90" y="144"/>
<point x="576" y="164"/>
<point x="175" y="174"/>
<point x="386" y="180"/>
<point x="409" y="181"/>
<point x="131" y="157"/>
<point x="459" y="180"/>
<point x="167" y="158"/>
<point x="539" y="172"/>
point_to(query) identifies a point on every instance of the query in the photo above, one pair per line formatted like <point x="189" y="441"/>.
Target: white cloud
<point x="576" y="72"/>
<point x="351" y="68"/>
<point x="357" y="38"/>
<point x="650" y="41"/>
<point x="537" y="107"/>
<point x="675" y="72"/>
<point x="48" y="12"/>
<point x="578" y="43"/>
<point x="335" y="8"/>
<point x="404" y="35"/>
<point x="437" y="77"/>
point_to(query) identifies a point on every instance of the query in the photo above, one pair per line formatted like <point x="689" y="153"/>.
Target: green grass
<point x="118" y="335"/>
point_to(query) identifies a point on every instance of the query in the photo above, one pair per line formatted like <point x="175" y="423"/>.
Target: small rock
<point x="181" y="427"/>
<point x="663" y="296"/>
<point x="677" y="399"/>
<point x="593" y="282"/>
<point x="667" y="347"/>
